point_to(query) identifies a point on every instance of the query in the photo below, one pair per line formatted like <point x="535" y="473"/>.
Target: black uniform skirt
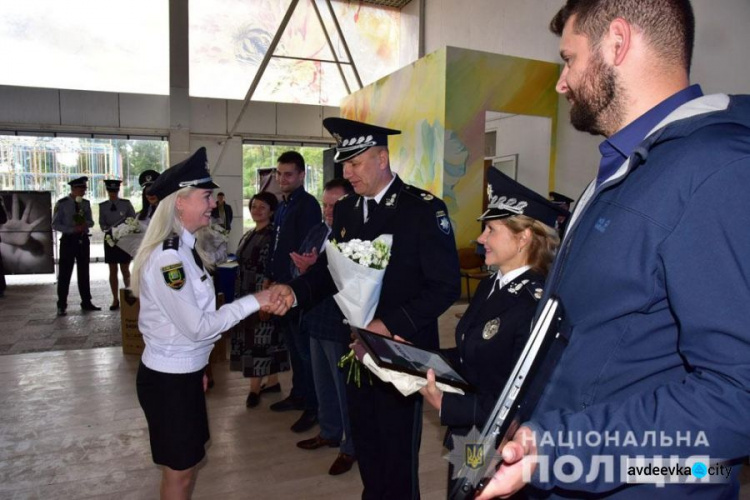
<point x="115" y="254"/>
<point x="175" y="408"/>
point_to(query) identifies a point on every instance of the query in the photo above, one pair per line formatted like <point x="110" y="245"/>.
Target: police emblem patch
<point x="174" y="276"/>
<point x="442" y="221"/>
<point x="491" y="328"/>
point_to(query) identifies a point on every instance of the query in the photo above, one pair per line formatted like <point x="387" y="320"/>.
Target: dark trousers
<point x="298" y="343"/>
<point x="387" y="431"/>
<point x="74" y="250"/>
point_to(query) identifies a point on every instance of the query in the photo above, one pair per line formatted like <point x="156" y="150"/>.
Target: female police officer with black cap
<point x="518" y="240"/>
<point x="179" y="321"/>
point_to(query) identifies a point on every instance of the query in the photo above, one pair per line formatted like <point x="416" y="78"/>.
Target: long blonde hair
<point x="543" y="244"/>
<point x="164" y="223"/>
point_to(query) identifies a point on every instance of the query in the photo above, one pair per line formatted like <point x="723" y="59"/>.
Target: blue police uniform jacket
<point x="422" y="277"/>
<point x="654" y="278"/>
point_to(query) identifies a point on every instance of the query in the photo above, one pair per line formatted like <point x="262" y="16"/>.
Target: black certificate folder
<point x="407" y="358"/>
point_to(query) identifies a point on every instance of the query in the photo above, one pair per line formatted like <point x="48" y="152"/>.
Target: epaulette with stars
<point x="171" y="243"/>
<point x="533" y="287"/>
<point x="419" y="193"/>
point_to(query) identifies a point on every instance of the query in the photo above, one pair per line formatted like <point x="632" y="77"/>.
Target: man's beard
<point x="595" y="107"/>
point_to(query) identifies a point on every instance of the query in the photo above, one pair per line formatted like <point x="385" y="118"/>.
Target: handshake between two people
<point x="276" y="299"/>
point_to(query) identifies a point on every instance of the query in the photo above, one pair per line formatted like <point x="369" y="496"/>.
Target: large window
<point x="48" y="163"/>
<point x="229" y="38"/>
<point x="112" y="45"/>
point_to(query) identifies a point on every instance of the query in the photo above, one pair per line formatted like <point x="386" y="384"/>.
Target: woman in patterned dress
<point x="257" y="347"/>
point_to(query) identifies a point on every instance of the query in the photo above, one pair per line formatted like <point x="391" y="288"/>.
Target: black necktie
<point x="197" y="258"/>
<point x="113" y="207"/>
<point x="372" y="205"/>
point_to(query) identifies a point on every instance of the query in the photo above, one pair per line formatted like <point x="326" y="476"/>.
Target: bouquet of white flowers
<point x="128" y="226"/>
<point x="357" y="267"/>
<point x="127" y="235"/>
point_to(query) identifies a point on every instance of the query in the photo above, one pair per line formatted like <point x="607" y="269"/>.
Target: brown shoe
<point x="343" y="463"/>
<point x="317" y="442"/>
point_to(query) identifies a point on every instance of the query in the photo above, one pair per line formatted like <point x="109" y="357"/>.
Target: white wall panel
<point x="510" y="27"/>
<point x="529" y="138"/>
<point x="144" y="111"/>
<point x="299" y="120"/>
<point x="208" y="116"/>
<point x="95" y="109"/>
<point x="29" y="105"/>
<point x="259" y="118"/>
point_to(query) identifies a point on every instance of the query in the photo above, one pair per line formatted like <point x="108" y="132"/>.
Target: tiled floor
<point x="28" y="321"/>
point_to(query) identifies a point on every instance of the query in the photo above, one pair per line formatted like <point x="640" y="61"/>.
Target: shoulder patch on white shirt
<point x="174" y="276"/>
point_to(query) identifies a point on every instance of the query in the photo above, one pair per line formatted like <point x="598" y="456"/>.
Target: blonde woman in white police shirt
<point x="179" y="321"/>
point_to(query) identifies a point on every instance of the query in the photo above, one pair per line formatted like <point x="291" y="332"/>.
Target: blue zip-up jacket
<point x="654" y="276"/>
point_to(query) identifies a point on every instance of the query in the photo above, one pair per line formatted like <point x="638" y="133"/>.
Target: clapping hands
<point x="305" y="260"/>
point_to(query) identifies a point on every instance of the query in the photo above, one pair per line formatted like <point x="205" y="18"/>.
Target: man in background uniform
<point x="112" y="213"/>
<point x="72" y="217"/>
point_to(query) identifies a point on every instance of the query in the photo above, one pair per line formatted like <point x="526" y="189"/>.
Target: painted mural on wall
<point x="477" y="82"/>
<point x="411" y="100"/>
<point x="229" y="38"/>
<point x="439" y="104"/>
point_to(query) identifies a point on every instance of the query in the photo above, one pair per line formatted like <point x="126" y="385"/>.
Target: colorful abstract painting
<point x="229" y="38"/>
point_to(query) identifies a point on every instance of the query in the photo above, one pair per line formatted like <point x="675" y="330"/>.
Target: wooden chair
<point x="472" y="267"/>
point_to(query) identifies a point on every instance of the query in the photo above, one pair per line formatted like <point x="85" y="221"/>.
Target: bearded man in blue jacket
<point x="654" y="271"/>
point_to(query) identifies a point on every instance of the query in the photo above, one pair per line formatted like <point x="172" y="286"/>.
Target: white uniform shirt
<point x="178" y="316"/>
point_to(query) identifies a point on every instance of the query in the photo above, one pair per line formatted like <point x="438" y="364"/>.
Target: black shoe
<point x="61" y="311"/>
<point x="306" y="422"/>
<point x="289" y="404"/>
<point x="342" y="464"/>
<point x="115" y="306"/>
<point x="271" y="388"/>
<point x="318" y="442"/>
<point x="252" y="400"/>
<point x="90" y="307"/>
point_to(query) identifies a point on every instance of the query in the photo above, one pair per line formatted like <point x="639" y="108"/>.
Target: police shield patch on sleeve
<point x="174" y="276"/>
<point x="442" y="221"/>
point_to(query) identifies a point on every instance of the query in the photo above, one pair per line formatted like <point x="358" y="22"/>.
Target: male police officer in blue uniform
<point x="421" y="281"/>
<point x="72" y="217"/>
